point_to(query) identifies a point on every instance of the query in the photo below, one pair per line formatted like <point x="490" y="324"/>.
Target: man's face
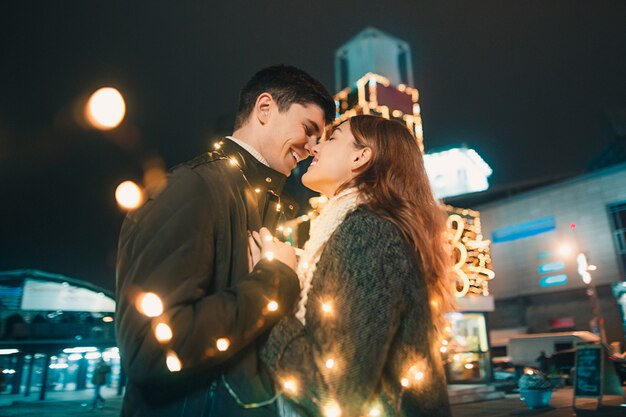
<point x="291" y="135"/>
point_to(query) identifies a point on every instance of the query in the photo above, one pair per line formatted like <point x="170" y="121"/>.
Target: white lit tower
<point x="374" y="75"/>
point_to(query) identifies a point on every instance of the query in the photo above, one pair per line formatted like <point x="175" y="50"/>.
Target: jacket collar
<point x="257" y="174"/>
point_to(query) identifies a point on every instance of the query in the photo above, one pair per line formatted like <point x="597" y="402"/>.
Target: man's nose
<point x="310" y="144"/>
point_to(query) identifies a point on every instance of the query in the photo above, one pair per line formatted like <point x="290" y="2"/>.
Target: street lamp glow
<point x="106" y="109"/>
<point x="129" y="196"/>
<point x="565" y="250"/>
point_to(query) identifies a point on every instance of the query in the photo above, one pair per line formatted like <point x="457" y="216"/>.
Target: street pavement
<point x="63" y="404"/>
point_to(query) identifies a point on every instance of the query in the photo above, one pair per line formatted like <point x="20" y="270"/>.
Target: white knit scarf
<point x="331" y="216"/>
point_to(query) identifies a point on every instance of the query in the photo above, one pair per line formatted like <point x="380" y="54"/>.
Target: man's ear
<point x="263" y="107"/>
<point x="361" y="158"/>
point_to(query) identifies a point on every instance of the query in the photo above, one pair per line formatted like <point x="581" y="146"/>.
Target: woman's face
<point x="336" y="161"/>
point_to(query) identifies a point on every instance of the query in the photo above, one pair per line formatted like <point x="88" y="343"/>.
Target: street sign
<point x="594" y="375"/>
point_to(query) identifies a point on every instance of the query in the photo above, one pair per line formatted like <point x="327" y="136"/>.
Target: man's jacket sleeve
<point x="168" y="247"/>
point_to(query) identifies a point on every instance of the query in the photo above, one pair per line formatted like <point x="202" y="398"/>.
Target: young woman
<point x="374" y="276"/>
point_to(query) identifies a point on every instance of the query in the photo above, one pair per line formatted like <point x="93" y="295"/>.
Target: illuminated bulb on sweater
<point x="332" y="410"/>
<point x="172" y="362"/>
<point x="404" y="382"/>
<point x="374" y="412"/>
<point x="327" y="308"/>
<point x="222" y="344"/>
<point x="290" y="386"/>
<point x="269" y="255"/>
<point x="272" y="306"/>
<point x="419" y="375"/>
<point x="233" y="162"/>
<point x="163" y="332"/>
<point x="257" y="190"/>
<point x="150" y="304"/>
<point x="330" y="363"/>
<point x="443" y="349"/>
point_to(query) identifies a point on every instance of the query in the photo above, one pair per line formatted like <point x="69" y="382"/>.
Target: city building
<point x="558" y="252"/>
<point x="53" y="331"/>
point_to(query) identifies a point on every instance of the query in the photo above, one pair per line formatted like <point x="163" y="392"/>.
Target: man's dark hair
<point x="288" y="85"/>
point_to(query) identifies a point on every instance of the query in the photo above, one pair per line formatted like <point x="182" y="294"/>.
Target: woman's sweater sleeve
<point x="337" y="359"/>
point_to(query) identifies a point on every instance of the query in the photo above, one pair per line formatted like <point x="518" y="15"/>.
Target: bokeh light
<point x="106" y="109"/>
<point x="173" y="363"/>
<point x="163" y="332"/>
<point x="149" y="304"/>
<point x="222" y="344"/>
<point x="129" y="196"/>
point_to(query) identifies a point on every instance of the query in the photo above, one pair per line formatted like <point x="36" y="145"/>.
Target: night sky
<point x="528" y="84"/>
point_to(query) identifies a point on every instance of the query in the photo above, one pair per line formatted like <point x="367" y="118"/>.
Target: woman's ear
<point x="361" y="158"/>
<point x="262" y="107"/>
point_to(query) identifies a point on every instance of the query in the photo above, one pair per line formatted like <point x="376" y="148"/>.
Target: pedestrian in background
<point x="98" y="380"/>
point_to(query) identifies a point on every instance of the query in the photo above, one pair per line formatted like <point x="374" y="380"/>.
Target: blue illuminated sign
<point x="522" y="230"/>
<point x="553" y="280"/>
<point x="551" y="267"/>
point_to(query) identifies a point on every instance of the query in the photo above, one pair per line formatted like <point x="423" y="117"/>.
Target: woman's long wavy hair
<point x="394" y="185"/>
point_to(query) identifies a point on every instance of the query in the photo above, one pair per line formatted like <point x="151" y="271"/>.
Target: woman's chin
<point x="309" y="182"/>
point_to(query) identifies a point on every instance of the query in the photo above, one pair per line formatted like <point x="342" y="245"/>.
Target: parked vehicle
<point x="525" y="349"/>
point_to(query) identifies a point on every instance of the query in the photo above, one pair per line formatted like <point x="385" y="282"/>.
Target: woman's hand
<point x="263" y="244"/>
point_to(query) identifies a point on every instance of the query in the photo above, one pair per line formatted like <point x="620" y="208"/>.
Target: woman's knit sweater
<point x="368" y="342"/>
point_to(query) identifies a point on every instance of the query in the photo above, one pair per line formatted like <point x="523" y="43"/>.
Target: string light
<point x="374" y="412"/>
<point x="149" y="304"/>
<point x="163" y="333"/>
<point x="327" y="308"/>
<point x="332" y="410"/>
<point x="272" y="306"/>
<point x="290" y="386"/>
<point x="330" y="363"/>
<point x="129" y="196"/>
<point x="222" y="344"/>
<point x="269" y="255"/>
<point x="404" y="382"/>
<point x="172" y="362"/>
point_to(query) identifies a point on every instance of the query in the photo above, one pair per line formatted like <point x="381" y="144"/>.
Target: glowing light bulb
<point x="374" y="412"/>
<point x="443" y="349"/>
<point x="565" y="250"/>
<point x="327" y="308"/>
<point x="222" y="344"/>
<point x="172" y="362"/>
<point x="330" y="363"/>
<point x="233" y="162"/>
<point x="269" y="255"/>
<point x="105" y="109"/>
<point x="163" y="332"/>
<point x="404" y="382"/>
<point x="149" y="304"/>
<point x="469" y="366"/>
<point x="290" y="386"/>
<point x="419" y="375"/>
<point x="217" y="146"/>
<point x="129" y="196"/>
<point x="257" y="190"/>
<point x="272" y="306"/>
<point x="332" y="410"/>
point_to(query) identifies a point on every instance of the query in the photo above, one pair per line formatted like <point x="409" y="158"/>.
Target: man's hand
<point x="263" y="245"/>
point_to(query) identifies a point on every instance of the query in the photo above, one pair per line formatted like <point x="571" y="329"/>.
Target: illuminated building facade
<point x="537" y="237"/>
<point x="54" y="330"/>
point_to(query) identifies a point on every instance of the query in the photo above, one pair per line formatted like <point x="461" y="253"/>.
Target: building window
<point x="617" y="213"/>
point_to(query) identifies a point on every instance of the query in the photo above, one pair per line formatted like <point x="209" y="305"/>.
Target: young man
<point x="189" y="246"/>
